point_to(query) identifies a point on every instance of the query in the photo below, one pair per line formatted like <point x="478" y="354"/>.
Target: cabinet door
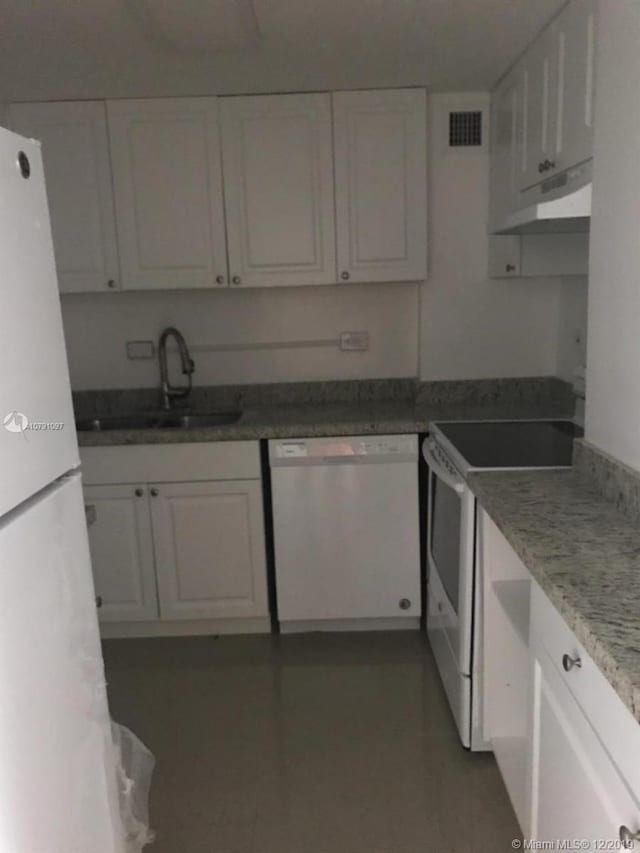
<point x="576" y="791"/>
<point x="78" y="175"/>
<point x="381" y="184"/>
<point x="506" y="145"/>
<point x="540" y="70"/>
<point x="168" y="192"/>
<point x="209" y="540"/>
<point x="278" y="175"/>
<point x="576" y="61"/>
<point x="122" y="553"/>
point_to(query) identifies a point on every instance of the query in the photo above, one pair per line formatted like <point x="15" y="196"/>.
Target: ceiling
<point x="123" y="48"/>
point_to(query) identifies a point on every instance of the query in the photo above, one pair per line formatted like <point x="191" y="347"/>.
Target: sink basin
<point x="188" y="421"/>
<point x="109" y="422"/>
<point x="163" y="420"/>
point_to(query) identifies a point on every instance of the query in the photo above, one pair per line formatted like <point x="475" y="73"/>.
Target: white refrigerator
<point x="57" y="783"/>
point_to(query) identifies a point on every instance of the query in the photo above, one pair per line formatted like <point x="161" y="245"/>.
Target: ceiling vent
<point x="465" y="129"/>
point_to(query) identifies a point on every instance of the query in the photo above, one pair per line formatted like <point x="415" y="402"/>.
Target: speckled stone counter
<point x="332" y="408"/>
<point x="584" y="553"/>
<point x="319" y="420"/>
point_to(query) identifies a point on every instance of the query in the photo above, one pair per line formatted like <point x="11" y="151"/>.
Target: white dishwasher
<point x="346" y="532"/>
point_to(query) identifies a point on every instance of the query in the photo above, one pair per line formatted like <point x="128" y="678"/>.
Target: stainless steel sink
<point x="164" y="420"/>
<point x="188" y="421"/>
<point x="109" y="422"/>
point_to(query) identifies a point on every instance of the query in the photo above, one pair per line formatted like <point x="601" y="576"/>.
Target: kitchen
<point x="331" y="601"/>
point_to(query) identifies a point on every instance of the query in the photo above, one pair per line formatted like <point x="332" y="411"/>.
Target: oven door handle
<point x="458" y="485"/>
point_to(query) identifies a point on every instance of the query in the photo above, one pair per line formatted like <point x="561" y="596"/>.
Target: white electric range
<point x="454" y="617"/>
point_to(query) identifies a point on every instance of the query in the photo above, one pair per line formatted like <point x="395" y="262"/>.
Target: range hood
<point x="560" y="204"/>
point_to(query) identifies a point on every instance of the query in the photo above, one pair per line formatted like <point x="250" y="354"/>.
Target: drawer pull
<point x="627" y="837"/>
<point x="568" y="663"/>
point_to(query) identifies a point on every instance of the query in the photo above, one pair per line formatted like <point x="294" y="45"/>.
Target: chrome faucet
<point x="170" y="392"/>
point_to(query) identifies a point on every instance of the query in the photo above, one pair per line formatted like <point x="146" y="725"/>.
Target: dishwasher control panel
<point x="340" y="447"/>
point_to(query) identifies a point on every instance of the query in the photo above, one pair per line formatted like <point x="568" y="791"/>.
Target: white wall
<point x="613" y="360"/>
<point x="572" y="327"/>
<point x="98" y="326"/>
<point x="471" y="326"/>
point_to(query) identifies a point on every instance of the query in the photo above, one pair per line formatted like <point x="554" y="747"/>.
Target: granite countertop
<point x="584" y="553"/>
<point x="320" y="419"/>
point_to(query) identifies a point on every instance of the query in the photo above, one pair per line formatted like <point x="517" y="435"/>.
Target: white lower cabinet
<point x="576" y="790"/>
<point x="567" y="746"/>
<point x="177" y="545"/>
<point x="121" y="545"/>
<point x="209" y="549"/>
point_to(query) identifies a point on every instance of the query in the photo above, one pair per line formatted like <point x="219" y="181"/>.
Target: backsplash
<point x="613" y="479"/>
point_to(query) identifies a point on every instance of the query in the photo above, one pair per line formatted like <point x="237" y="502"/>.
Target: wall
<point x="98" y="326"/>
<point x="613" y="361"/>
<point x="471" y="326"/>
<point x="572" y="327"/>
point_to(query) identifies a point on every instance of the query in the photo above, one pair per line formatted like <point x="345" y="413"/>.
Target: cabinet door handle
<point x="154" y="493"/>
<point x="344" y="276"/>
<point x="540" y="168"/>
<point x="98" y="601"/>
<point x="568" y="663"/>
<point x="627" y="837"/>
<point x="111" y="283"/>
<point x="510" y="268"/>
<point x="139" y="493"/>
<point x="219" y="279"/>
<point x="236" y="279"/>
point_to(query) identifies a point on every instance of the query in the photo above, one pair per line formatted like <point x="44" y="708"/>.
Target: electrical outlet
<point x="354" y="341"/>
<point x="140" y="349"/>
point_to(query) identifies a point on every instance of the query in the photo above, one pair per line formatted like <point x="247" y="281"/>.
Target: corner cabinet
<point x="278" y="175"/>
<point x="168" y="192"/>
<point x="177" y="545"/>
<point x="75" y="153"/>
<point x="380" y="167"/>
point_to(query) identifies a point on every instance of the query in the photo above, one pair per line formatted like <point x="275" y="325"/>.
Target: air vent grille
<point x="465" y="129"/>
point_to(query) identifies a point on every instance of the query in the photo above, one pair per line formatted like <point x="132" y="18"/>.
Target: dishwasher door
<point x="346" y="528"/>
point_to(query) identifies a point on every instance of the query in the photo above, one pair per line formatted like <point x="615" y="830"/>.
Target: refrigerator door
<point x="34" y="381"/>
<point x="57" y="784"/>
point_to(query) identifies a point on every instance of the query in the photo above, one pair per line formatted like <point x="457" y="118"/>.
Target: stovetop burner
<point x="513" y="444"/>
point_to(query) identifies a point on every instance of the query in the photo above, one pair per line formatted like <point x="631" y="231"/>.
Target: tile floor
<point x="323" y="743"/>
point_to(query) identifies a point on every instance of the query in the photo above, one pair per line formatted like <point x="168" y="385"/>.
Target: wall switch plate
<point x="354" y="341"/>
<point x="140" y="349"/>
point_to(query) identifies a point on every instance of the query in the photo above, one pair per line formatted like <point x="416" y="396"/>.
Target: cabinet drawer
<point x="616" y="727"/>
<point x="159" y="463"/>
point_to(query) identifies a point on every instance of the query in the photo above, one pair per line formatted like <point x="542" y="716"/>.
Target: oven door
<point x="450" y="558"/>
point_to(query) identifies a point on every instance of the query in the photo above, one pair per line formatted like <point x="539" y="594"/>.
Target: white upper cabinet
<point x="558" y="72"/>
<point x="168" y="192"/>
<point x="75" y="151"/>
<point x="506" y="146"/>
<point x="540" y="92"/>
<point x="278" y="175"/>
<point x="380" y="184"/>
<point x="575" y="34"/>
